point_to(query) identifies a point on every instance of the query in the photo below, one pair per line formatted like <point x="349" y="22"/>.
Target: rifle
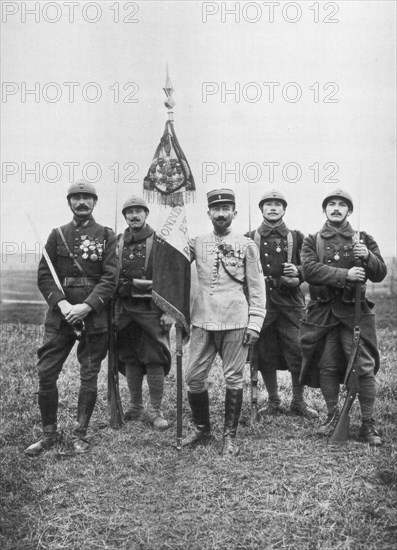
<point x="254" y="383"/>
<point x="78" y="328"/>
<point x="350" y="384"/>
<point x="116" y="409"/>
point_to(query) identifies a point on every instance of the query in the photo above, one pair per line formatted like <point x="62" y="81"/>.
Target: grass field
<point x="287" y="489"/>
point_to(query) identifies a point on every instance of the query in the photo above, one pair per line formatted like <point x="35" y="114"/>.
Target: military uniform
<point x="327" y="331"/>
<point x="230" y="300"/>
<point x="143" y="345"/>
<point x="278" y="347"/>
<point x="93" y="247"/>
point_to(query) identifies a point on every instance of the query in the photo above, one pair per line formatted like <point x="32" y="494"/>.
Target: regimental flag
<point x="169" y="171"/>
<point x="169" y="182"/>
<point x="171" y="267"/>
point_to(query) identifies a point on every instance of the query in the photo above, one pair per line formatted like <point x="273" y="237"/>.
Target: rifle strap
<point x="71" y="255"/>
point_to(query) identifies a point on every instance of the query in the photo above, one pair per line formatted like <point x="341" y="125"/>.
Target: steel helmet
<point x="338" y="194"/>
<point x="82" y="186"/>
<point x="272" y="195"/>
<point x="135" y="201"/>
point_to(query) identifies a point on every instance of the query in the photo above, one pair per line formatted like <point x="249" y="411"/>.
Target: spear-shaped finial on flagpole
<point x="169" y="90"/>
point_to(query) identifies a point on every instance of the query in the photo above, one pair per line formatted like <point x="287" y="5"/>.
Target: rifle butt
<point x="340" y="433"/>
<point x="341" y="430"/>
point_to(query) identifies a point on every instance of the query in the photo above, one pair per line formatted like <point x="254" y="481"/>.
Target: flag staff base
<point x="179" y="354"/>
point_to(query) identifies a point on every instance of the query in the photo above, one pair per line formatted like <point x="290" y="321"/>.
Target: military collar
<point x="225" y="234"/>
<point x="279" y="229"/>
<point x="328" y="231"/>
<point x="79" y="223"/>
<point x="141" y="235"/>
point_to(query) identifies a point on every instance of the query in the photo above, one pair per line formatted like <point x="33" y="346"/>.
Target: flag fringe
<point x="167" y="307"/>
<point x="173" y="199"/>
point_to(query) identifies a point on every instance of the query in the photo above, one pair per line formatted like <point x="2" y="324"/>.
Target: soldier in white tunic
<point x="227" y="316"/>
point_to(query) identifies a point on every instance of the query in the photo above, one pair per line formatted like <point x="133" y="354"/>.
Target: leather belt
<point x="79" y="281"/>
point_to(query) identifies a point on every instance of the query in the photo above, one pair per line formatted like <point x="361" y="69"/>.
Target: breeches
<point x="141" y="340"/>
<point x="91" y="350"/>
<point x="204" y="345"/>
<point x="279" y="346"/>
<point x="342" y="335"/>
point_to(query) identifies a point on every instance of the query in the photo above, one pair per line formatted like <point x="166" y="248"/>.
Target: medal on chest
<point x="92" y="248"/>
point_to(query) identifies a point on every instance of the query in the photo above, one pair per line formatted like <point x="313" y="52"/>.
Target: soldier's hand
<point x="166" y="322"/>
<point x="290" y="270"/>
<point x="360" y="251"/>
<point x="356" y="274"/>
<point x="78" y="313"/>
<point x="250" y="337"/>
<point x="65" y="307"/>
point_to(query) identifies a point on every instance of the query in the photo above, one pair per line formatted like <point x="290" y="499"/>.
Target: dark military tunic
<point x="278" y="346"/>
<point x="93" y="246"/>
<point x="326" y="257"/>
<point x="141" y="339"/>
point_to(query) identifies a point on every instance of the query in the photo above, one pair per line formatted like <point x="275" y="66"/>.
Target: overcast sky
<point x="301" y="93"/>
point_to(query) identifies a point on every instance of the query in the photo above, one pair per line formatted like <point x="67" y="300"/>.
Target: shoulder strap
<point x="290" y="244"/>
<point x="120" y="246"/>
<point x="320" y="247"/>
<point x="257" y="239"/>
<point x="71" y="255"/>
<point x="149" y="245"/>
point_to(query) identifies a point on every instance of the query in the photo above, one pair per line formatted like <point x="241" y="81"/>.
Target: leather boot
<point x="199" y="404"/>
<point x="85" y="408"/>
<point x="48" y="404"/>
<point x="370" y="434"/>
<point x="233" y="403"/>
<point x="49" y="437"/>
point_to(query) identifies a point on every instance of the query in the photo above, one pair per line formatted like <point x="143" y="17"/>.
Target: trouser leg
<point x="155" y="381"/>
<point x="329" y="370"/>
<point x="267" y="350"/>
<point x="366" y="397"/>
<point x="134" y="375"/>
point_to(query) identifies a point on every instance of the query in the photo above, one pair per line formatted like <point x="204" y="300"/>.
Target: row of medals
<point x="336" y="254"/>
<point x="90" y="249"/>
<point x="337" y="248"/>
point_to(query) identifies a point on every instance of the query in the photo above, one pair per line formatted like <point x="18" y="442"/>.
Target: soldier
<point x="222" y="318"/>
<point x="143" y="329"/>
<point x="334" y="260"/>
<point x="279" y="345"/>
<point x="83" y="255"/>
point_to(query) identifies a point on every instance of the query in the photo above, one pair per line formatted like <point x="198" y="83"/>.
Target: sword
<point x="76" y="328"/>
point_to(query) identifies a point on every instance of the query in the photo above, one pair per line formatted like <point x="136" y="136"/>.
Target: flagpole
<point x="170" y="103"/>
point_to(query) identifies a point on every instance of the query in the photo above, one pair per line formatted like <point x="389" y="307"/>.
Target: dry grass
<point x="286" y="490"/>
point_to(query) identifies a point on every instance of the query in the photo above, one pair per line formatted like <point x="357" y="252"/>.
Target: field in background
<point x="287" y="489"/>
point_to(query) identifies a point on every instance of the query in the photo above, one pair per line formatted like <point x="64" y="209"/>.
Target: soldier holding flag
<point x="143" y="329"/>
